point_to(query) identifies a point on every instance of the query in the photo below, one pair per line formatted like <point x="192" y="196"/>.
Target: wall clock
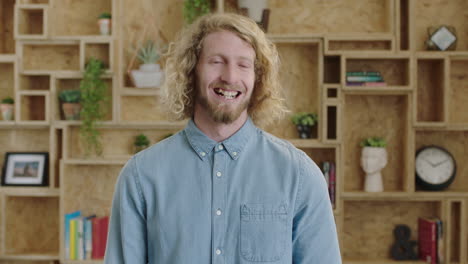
<point x="435" y="168"/>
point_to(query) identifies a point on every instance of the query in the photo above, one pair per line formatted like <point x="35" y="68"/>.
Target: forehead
<point x="226" y="43"/>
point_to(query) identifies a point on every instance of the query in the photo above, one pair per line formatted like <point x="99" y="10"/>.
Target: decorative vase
<point x="7" y="111"/>
<point x="104" y="26"/>
<point x="304" y="131"/>
<point x="254" y="8"/>
<point x="373" y="160"/>
<point x="71" y="111"/>
<point x="148" y="76"/>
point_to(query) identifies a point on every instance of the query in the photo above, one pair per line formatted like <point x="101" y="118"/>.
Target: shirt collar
<point x="203" y="145"/>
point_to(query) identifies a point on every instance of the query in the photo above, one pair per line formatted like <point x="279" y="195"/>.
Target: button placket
<point x="220" y="158"/>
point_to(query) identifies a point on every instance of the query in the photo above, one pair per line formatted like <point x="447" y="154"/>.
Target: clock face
<point x="435" y="167"/>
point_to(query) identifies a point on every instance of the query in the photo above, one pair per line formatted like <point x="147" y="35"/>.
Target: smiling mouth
<point x="227" y="94"/>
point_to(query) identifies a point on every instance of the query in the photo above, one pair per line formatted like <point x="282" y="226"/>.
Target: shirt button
<point x="220" y="147"/>
<point x="218" y="212"/>
<point x="203" y="154"/>
<point x="218" y="251"/>
<point x="218" y="174"/>
<point x="234" y="153"/>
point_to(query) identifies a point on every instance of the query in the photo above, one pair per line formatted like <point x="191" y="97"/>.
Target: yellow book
<point x="73" y="239"/>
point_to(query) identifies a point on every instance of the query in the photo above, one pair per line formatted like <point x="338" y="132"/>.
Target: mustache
<point x="226" y="86"/>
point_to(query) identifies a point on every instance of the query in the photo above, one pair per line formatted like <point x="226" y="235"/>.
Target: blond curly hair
<point x="178" y="91"/>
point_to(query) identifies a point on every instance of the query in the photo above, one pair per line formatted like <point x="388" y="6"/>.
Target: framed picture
<point x="25" y="169"/>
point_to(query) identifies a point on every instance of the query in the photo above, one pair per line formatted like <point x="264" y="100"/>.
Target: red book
<point x="332" y="185"/>
<point x="100" y="227"/>
<point x="427" y="236"/>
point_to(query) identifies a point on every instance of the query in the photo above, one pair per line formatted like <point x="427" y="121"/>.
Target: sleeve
<point x="127" y="238"/>
<point x="314" y="233"/>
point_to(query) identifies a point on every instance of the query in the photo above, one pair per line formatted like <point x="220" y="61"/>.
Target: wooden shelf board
<point x="7" y="58"/>
<point x="439" y="54"/>
<point x="133" y="91"/>
<point x="154" y="124"/>
<point x="31" y="124"/>
<point x="32" y="6"/>
<point x="30" y="191"/>
<point x="87" y="38"/>
<point x="310" y="143"/>
<point x="429" y="125"/>
<point x="21" y="125"/>
<point x="100" y="161"/>
<point x="418" y="195"/>
<point x="295" y="38"/>
<point x="33" y="92"/>
<point x="31" y="36"/>
<point x="90" y="261"/>
<point x="383" y="262"/>
<point x="377" y="89"/>
<point x="32" y="257"/>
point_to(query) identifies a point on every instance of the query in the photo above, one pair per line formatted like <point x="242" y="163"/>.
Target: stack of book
<point x="85" y="236"/>
<point x="364" y="78"/>
<point x="430" y="239"/>
<point x="328" y="169"/>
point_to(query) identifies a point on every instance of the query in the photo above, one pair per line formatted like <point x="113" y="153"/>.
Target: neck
<point x="216" y="130"/>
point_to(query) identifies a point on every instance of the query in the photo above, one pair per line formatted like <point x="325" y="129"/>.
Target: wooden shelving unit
<point x="45" y="44"/>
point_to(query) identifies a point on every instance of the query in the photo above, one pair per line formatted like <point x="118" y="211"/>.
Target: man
<point x="222" y="190"/>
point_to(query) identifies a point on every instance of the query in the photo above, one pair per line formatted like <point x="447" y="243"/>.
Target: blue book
<point x="88" y="236"/>
<point x="68" y="218"/>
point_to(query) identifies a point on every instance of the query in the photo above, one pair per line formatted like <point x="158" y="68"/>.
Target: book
<point x="69" y="217"/>
<point x="100" y="228"/>
<point x="364" y="78"/>
<point x="73" y="239"/>
<point x="440" y="244"/>
<point x="382" y="83"/>
<point x="325" y="170"/>
<point x="427" y="239"/>
<point x="332" y="186"/>
<point x="88" y="236"/>
<point x="79" y="239"/>
<point x="363" y="73"/>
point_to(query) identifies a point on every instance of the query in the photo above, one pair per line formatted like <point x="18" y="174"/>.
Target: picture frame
<point x="441" y="38"/>
<point x="25" y="169"/>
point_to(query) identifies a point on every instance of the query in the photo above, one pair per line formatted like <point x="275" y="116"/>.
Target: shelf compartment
<point x="51" y="57"/>
<point x="358" y="45"/>
<point x="117" y="142"/>
<point x="455" y="143"/>
<point x="31" y="21"/>
<point x="23" y="140"/>
<point x="455" y="231"/>
<point x="430" y="90"/>
<point x="427" y="13"/>
<point x="68" y="22"/>
<point x="332" y="115"/>
<point x="368" y="226"/>
<point x="7" y="40"/>
<point x="332" y="69"/>
<point x="34" y="82"/>
<point x="374" y="17"/>
<point x="7" y="77"/>
<point x="393" y="70"/>
<point x="385" y="116"/>
<point x="98" y="50"/>
<point x="34" y="106"/>
<point x="404" y="18"/>
<point x="300" y="81"/>
<point x="26" y="237"/>
<point x="88" y="188"/>
<point x="458" y="108"/>
<point x="141" y="109"/>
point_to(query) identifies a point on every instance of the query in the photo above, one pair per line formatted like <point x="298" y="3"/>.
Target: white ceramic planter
<point x="147" y="76"/>
<point x="104" y="26"/>
<point x="373" y="160"/>
<point x="7" y="111"/>
<point x="254" y="8"/>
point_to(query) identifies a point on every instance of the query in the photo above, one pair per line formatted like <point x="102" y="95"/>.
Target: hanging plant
<point x="194" y="9"/>
<point x="93" y="102"/>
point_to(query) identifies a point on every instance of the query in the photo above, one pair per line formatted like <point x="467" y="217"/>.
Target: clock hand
<point x="428" y="161"/>
<point x="439" y="163"/>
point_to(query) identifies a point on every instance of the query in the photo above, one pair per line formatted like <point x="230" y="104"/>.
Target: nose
<point x="229" y="74"/>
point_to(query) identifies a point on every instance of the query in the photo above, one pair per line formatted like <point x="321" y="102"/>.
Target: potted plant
<point x="149" y="75"/>
<point x="93" y="99"/>
<point x="195" y="8"/>
<point x="141" y="142"/>
<point x="71" y="106"/>
<point x="373" y="160"/>
<point x="104" y="22"/>
<point x="304" y="122"/>
<point x="7" y="108"/>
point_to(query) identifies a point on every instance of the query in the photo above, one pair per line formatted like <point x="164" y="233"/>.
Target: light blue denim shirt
<point x="252" y="198"/>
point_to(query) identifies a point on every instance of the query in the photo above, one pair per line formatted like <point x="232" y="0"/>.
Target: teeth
<point x="227" y="94"/>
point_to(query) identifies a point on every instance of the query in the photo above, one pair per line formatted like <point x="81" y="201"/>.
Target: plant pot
<point x="254" y="8"/>
<point x="71" y="111"/>
<point x="139" y="148"/>
<point x="7" y="111"/>
<point x="104" y="26"/>
<point x="304" y="131"/>
<point x="147" y="76"/>
<point x="373" y="160"/>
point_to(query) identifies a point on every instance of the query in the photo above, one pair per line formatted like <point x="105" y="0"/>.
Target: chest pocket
<point x="263" y="234"/>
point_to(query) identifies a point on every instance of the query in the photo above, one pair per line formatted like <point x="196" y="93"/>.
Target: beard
<point x="221" y="113"/>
